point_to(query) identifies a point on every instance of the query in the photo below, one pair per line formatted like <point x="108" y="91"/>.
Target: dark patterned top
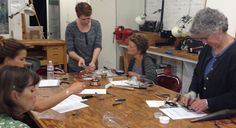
<point x="83" y="43"/>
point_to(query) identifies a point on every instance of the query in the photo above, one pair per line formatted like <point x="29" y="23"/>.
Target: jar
<point x="94" y="82"/>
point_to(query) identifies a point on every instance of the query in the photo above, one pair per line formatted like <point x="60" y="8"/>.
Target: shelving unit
<point x="47" y="49"/>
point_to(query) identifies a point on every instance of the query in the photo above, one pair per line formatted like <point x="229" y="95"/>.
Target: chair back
<point x="33" y="63"/>
<point x="171" y="82"/>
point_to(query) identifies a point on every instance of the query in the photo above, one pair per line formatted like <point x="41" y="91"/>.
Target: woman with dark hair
<point x="213" y="85"/>
<point x="141" y="65"/>
<point x="12" y="52"/>
<point x="17" y="94"/>
<point x="83" y="38"/>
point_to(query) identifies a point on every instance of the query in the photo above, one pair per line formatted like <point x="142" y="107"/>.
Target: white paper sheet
<point x="155" y="103"/>
<point x="73" y="102"/>
<point x="49" y="83"/>
<point x="181" y="113"/>
<point x="120" y="82"/>
<point x="94" y="91"/>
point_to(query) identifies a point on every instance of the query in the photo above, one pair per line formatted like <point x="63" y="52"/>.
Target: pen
<point x="123" y="87"/>
<point x="178" y="97"/>
<point x="87" y="97"/>
<point x="117" y="103"/>
<point x="120" y="99"/>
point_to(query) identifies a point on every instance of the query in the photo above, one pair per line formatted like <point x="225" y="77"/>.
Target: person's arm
<point x="131" y="74"/>
<point x="130" y="68"/>
<point x="96" y="53"/>
<point x="44" y="103"/>
<point x="149" y="66"/>
<point x="97" y="45"/>
<point x="76" y="57"/>
<point x="69" y="38"/>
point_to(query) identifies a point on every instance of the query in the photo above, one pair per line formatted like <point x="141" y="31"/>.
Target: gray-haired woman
<point x="213" y="85"/>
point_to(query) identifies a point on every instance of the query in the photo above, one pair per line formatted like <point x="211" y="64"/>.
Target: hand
<point x="76" y="87"/>
<point x="199" y="105"/>
<point x="81" y="62"/>
<point x="134" y="74"/>
<point x="91" y="67"/>
<point x="184" y="101"/>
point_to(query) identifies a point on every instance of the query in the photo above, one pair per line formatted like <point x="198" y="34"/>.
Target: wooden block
<point x="35" y="34"/>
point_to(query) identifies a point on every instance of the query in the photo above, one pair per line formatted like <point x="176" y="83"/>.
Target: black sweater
<point x="219" y="86"/>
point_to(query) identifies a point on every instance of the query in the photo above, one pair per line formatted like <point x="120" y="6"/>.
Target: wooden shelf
<point x="47" y="49"/>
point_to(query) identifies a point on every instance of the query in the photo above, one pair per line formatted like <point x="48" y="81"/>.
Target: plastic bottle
<point x="50" y="70"/>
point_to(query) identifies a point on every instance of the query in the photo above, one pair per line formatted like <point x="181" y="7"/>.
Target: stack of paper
<point x="94" y="91"/>
<point x="49" y="83"/>
<point x="181" y="113"/>
<point x="155" y="103"/>
<point x="73" y="102"/>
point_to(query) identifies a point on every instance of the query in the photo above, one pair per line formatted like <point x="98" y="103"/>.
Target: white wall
<point x="67" y="14"/>
<point x="228" y="8"/>
<point x="104" y="12"/>
<point x="127" y="10"/>
<point x="15" y="24"/>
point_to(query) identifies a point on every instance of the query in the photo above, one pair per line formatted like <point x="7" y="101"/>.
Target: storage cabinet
<point x="47" y="49"/>
<point x="54" y="53"/>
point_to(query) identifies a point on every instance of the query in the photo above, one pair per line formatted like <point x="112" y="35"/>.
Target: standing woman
<point x="17" y="95"/>
<point x="14" y="53"/>
<point x="83" y="38"/>
<point x="141" y="65"/>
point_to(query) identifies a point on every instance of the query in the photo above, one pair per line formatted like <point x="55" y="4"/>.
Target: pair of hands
<point x="131" y="74"/>
<point x="90" y="68"/>
<point x="197" y="105"/>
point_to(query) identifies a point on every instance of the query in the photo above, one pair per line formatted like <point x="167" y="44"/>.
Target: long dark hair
<point x="14" y="78"/>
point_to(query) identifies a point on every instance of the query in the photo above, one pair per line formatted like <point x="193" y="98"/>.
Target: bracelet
<point x="67" y="92"/>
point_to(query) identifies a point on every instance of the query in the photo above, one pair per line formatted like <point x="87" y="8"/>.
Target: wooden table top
<point x="43" y="42"/>
<point x="133" y="113"/>
<point x="170" y="52"/>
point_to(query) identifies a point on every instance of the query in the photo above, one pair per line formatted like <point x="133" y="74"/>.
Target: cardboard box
<point x="152" y="37"/>
<point x="36" y="32"/>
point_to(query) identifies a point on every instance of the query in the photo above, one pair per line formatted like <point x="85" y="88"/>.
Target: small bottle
<point x="50" y="70"/>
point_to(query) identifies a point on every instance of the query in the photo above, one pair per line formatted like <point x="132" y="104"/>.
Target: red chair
<point x="171" y="82"/>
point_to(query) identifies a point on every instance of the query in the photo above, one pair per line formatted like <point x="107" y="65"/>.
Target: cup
<point x="94" y="82"/>
<point x="120" y="72"/>
<point x="164" y="119"/>
<point x="157" y="115"/>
